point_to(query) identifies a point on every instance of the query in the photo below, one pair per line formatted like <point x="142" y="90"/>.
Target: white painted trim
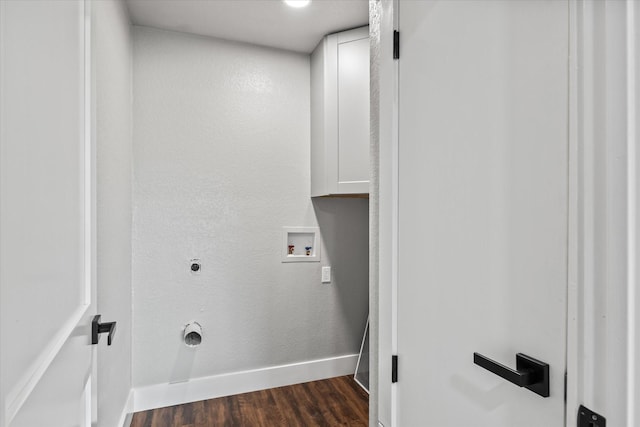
<point x="162" y="395"/>
<point x="90" y="197"/>
<point x="573" y="225"/>
<point x="128" y="419"/>
<point x="125" y="418"/>
<point x="387" y="208"/>
<point x="395" y="207"/>
<point x="23" y="388"/>
<point x="89" y="180"/>
<point x="602" y="348"/>
<point x="632" y="212"/>
<point x="3" y="24"/>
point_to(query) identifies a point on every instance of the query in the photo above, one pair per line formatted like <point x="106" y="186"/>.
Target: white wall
<point x="113" y="62"/>
<point x="221" y="164"/>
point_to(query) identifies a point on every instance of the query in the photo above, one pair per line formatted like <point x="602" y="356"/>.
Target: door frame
<point x="603" y="305"/>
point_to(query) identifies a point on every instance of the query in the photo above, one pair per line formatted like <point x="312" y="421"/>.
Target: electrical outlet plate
<point x="326" y="274"/>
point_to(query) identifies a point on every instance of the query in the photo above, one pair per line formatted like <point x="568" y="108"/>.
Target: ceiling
<point x="263" y="22"/>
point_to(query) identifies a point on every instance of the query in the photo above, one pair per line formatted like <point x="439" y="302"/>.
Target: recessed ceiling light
<point x="297" y="3"/>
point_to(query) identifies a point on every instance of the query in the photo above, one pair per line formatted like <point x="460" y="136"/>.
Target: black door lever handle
<point x="529" y="373"/>
<point x="98" y="328"/>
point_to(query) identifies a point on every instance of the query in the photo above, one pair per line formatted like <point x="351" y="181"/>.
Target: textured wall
<point x="113" y="62"/>
<point x="221" y="163"/>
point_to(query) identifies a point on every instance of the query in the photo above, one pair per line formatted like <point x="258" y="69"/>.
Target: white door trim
<point x="602" y="347"/>
<point x="633" y="209"/>
<point x="387" y="213"/>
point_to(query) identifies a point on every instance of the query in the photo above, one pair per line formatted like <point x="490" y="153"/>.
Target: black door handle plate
<point x="529" y="373"/>
<point x="98" y="328"/>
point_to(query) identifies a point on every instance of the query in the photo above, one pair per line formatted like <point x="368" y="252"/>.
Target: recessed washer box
<point x="300" y="244"/>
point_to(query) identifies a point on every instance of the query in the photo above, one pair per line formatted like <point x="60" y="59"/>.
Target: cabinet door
<point x="353" y="112"/>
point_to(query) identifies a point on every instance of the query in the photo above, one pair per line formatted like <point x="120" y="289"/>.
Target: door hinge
<point x="588" y="418"/>
<point x="396" y="44"/>
<point x="394" y="368"/>
<point x="565" y="386"/>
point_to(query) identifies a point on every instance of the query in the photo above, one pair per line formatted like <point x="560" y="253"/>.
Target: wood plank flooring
<point x="333" y="402"/>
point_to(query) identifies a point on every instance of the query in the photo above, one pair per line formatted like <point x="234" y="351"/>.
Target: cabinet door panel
<point x="353" y="116"/>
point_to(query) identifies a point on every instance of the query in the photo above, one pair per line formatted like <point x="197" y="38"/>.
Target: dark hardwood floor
<point x="333" y="402"/>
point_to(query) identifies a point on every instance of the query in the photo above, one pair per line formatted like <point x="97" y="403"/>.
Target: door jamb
<point x="602" y="338"/>
<point x="387" y="194"/>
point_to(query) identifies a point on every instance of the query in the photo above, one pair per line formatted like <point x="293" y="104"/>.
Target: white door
<point x="482" y="261"/>
<point x="46" y="210"/>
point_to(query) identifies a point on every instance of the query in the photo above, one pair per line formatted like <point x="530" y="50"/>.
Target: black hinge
<point x="396" y="44"/>
<point x="588" y="418"/>
<point x="394" y="368"/>
<point x="565" y="386"/>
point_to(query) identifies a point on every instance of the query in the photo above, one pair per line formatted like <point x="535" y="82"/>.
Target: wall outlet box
<point x="300" y="244"/>
<point x="326" y="274"/>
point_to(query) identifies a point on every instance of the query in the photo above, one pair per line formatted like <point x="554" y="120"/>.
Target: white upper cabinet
<point x="340" y="114"/>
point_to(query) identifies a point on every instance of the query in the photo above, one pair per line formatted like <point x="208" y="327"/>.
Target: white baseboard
<point x="125" y="416"/>
<point x="161" y="395"/>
